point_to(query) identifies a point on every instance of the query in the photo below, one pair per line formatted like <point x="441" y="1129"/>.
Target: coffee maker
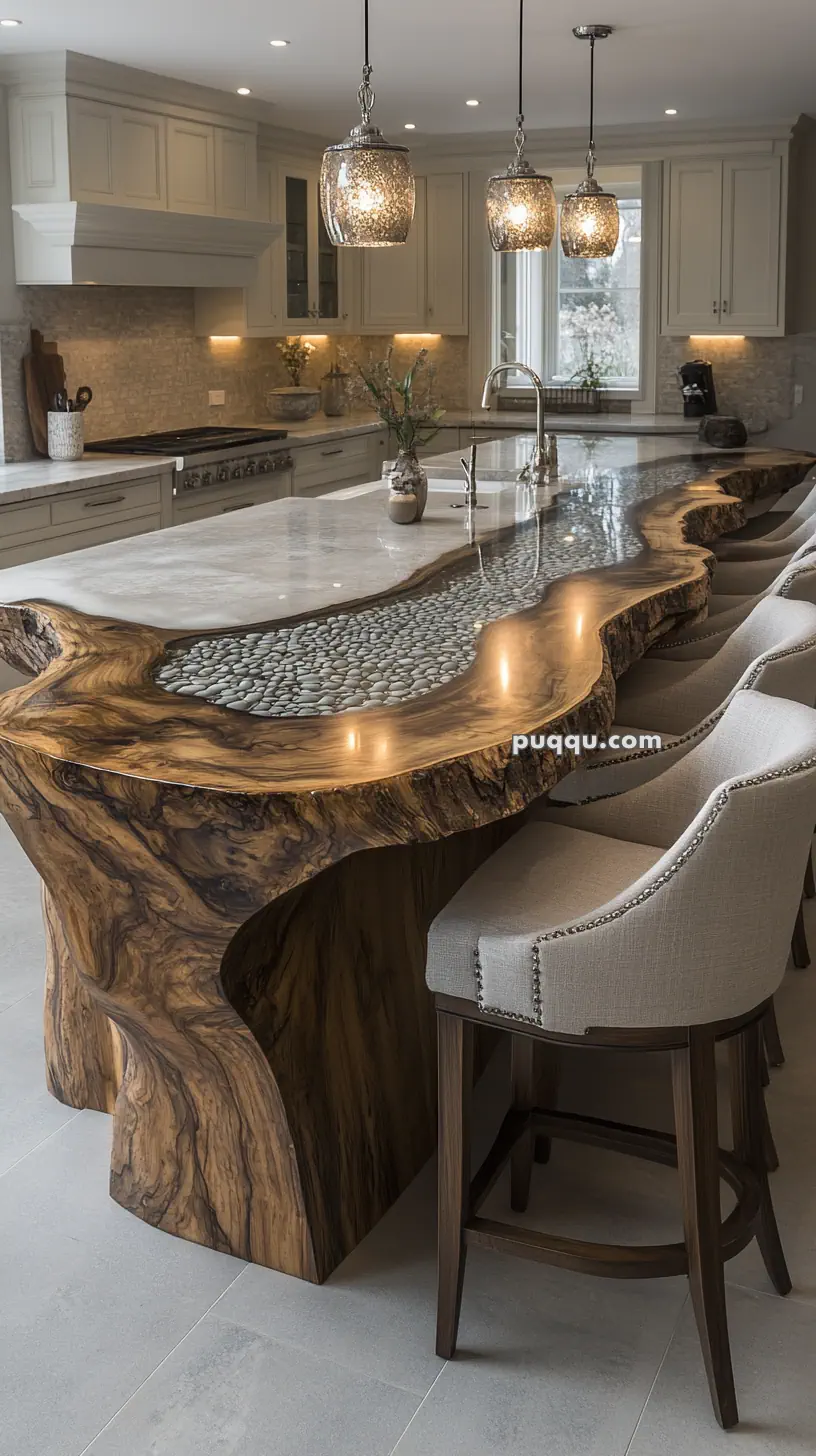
<point x="697" y="384"/>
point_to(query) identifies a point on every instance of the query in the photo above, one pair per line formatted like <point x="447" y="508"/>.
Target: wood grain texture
<point x="247" y="900"/>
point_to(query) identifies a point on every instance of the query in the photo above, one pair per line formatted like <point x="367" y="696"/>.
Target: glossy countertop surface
<point x="294" y="556"/>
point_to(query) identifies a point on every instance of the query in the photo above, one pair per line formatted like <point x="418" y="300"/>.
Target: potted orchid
<point x="408" y="407"/>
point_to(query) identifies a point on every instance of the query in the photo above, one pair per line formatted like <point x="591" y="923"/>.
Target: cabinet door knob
<point x="714" y="307"/>
<point x="725" y="305"/>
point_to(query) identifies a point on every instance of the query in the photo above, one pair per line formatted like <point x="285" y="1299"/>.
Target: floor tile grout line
<point x="157" y="1368"/>
<point x="664" y="1357"/>
<point x="304" y="1349"/>
<point x="41" y="1143"/>
<point x="428" y="1392"/>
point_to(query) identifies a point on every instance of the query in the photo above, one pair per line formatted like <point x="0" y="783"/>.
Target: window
<point x="571" y="317"/>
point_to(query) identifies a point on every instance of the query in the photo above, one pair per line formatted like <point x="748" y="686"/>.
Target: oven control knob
<point x="263" y="465"/>
<point x="223" y="472"/>
<point x="238" y="472"/>
<point x="191" y="480"/>
<point x="251" y="468"/>
<point x="206" y="477"/>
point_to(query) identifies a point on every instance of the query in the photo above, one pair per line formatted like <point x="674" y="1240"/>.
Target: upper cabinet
<point x="423" y="285"/>
<point x="306" y="266"/>
<point x="80" y="149"/>
<point x="724" y="246"/>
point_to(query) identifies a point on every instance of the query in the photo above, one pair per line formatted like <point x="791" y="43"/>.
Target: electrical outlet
<point x="218" y="396"/>
<point x="798" y="394"/>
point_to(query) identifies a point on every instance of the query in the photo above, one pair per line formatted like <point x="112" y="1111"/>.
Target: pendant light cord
<point x="365" y="95"/>
<point x="590" y="160"/>
<point x="521" y="65"/>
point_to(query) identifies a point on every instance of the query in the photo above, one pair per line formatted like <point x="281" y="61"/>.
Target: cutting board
<point x="44" y="374"/>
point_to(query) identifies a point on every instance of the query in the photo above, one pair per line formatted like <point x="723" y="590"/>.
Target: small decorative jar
<point x="402" y="507"/>
<point x="405" y="473"/>
<point x="66" y="434"/>
<point x="334" y="392"/>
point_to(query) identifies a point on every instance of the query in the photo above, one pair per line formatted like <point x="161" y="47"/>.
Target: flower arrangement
<point x="295" y="353"/>
<point x="407" y="406"/>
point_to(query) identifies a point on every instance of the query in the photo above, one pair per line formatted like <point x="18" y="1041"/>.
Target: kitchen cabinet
<point x="335" y="464"/>
<point x="422" y="286"/>
<point x="52" y="525"/>
<point x="724" y="236"/>
<point x="221" y="499"/>
<point x="117" y="155"/>
<point x="83" y="149"/>
<point x="191" y="166"/>
<point x="306" y="272"/>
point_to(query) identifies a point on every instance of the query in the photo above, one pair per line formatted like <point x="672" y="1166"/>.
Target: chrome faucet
<point x="538" y="469"/>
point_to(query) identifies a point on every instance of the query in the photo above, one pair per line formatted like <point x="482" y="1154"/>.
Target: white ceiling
<point x="730" y="60"/>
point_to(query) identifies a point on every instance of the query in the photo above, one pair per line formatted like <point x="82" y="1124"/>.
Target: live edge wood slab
<point x="236" y="907"/>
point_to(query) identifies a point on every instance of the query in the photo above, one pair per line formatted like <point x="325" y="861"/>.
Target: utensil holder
<point x="66" y="435"/>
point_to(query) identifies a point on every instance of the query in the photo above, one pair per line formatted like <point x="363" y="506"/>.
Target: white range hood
<point x="90" y="242"/>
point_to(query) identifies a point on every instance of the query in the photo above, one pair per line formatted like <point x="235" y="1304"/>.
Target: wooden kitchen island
<point x="240" y="860"/>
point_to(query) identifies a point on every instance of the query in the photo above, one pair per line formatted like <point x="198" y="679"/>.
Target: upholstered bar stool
<point x="779" y="542"/>
<point x="658" y="920"/>
<point x="773" y="651"/>
<point x="796" y="581"/>
<point x="798" y="506"/>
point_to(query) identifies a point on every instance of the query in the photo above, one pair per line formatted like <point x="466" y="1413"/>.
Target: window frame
<point x="623" y="393"/>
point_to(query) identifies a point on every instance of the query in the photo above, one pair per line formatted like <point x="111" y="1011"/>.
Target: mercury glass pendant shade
<point x="590" y="222"/>
<point x="521" y="208"/>
<point x="367" y="188"/>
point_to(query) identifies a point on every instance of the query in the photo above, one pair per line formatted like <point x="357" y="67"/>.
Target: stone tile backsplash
<point x="754" y="378"/>
<point x="138" y="350"/>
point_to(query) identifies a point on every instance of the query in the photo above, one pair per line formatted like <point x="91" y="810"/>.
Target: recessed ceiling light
<point x="244" y="91"/>
<point x="471" y="103"/>
<point x="410" y="126"/>
<point x="670" y="111"/>
<point x="279" y="42"/>
<point x="11" y="22"/>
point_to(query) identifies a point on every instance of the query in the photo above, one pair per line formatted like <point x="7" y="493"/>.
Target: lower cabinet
<point x="222" y="500"/>
<point x="335" y="464"/>
<point x="52" y="525"/>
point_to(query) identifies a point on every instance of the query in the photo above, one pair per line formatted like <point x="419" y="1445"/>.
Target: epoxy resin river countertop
<point x="406" y="643"/>
<point x="259" y="754"/>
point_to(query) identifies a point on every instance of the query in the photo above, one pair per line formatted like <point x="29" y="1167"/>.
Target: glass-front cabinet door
<point x="310" y="284"/>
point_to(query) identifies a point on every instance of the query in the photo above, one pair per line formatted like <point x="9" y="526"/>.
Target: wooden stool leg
<point x="455" y="1097"/>
<point x="747" y="1112"/>
<point x="810" y="883"/>
<point x="547" y="1081"/>
<point x="522" y="1076"/>
<point x="695" y="1114"/>
<point x="773" y="1042"/>
<point x="768" y="1144"/>
<point x="799" y="945"/>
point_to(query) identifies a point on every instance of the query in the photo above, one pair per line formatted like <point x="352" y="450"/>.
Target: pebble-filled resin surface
<point x="414" y="642"/>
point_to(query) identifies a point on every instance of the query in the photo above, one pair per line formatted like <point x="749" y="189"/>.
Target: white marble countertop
<point x="505" y="459"/>
<point x="298" y="555"/>
<point x="600" y="424"/>
<point x="26" y="479"/>
<point x="322" y="427"/>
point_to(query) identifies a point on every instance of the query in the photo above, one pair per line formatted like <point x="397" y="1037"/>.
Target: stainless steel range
<point x="209" y="456"/>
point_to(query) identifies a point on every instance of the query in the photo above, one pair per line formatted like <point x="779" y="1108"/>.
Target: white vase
<point x="66" y="434"/>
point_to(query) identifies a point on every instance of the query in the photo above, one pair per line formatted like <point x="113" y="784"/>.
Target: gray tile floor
<point x="120" y="1341"/>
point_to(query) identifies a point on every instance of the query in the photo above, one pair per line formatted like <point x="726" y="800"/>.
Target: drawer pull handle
<point x="338" y="451"/>
<point x="242" y="507"/>
<point x="111" y="500"/>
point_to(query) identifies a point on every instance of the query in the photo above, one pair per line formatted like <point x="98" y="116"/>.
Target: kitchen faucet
<point x="540" y="466"/>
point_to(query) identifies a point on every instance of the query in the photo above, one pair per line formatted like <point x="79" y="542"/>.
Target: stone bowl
<point x="293" y="402"/>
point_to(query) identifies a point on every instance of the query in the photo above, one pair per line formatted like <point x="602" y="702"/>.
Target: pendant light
<point x="367" y="189"/>
<point x="521" y="205"/>
<point x="590" y="221"/>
